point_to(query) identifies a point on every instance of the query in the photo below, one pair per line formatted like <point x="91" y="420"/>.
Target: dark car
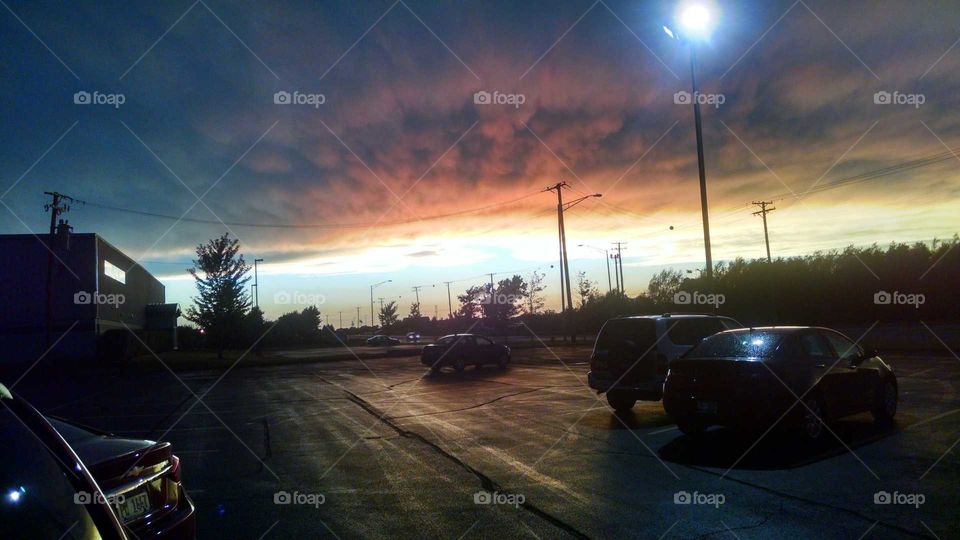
<point x="631" y="354"/>
<point x="752" y="378"/>
<point x="382" y="341"/>
<point x="63" y="481"/>
<point x="461" y="350"/>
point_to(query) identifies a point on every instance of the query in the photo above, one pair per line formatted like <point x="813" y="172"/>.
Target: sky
<point x="349" y="143"/>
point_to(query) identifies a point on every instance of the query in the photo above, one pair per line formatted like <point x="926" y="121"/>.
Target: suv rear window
<point x="691" y="331"/>
<point x="627" y="333"/>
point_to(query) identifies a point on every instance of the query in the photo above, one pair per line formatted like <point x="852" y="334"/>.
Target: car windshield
<point x="737" y="345"/>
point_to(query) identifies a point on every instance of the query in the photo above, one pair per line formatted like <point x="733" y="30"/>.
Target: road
<point x="390" y="453"/>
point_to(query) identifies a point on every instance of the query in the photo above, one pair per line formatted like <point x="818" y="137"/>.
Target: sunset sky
<point x="399" y="137"/>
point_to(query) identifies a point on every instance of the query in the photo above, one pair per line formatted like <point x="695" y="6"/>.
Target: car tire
<point x="458" y="365"/>
<point x="691" y="427"/>
<point x="620" y="402"/>
<point x="886" y="407"/>
<point x="812" y="419"/>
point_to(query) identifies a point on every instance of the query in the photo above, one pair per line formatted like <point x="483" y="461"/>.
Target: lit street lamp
<point x="696" y="22"/>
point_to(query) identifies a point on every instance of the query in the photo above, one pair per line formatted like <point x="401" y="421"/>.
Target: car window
<point x="469" y="341"/>
<point x="815" y="347"/>
<point x="845" y="349"/>
<point x="691" y="331"/>
<point x="446" y="340"/>
<point x="38" y="500"/>
<point x="737" y="345"/>
<point x="636" y="334"/>
<point x="730" y="324"/>
<point x="483" y="341"/>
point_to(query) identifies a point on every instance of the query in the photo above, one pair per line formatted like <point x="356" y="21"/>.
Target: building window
<point x="114" y="272"/>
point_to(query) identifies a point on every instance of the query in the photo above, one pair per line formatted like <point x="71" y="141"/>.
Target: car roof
<point x="776" y="329"/>
<point x="672" y="316"/>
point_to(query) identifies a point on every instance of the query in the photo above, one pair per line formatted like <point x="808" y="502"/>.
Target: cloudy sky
<point x="401" y="174"/>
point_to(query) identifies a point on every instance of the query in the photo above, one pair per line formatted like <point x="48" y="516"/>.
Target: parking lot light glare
<point x="695" y="19"/>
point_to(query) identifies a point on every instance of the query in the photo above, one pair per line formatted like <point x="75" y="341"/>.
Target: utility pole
<point x="56" y="207"/>
<point x="763" y="213"/>
<point x="359" y="322"/>
<point x="341" y="319"/>
<point x="623" y="287"/>
<point x="416" y="291"/>
<point x="449" y="303"/>
<point x="558" y="187"/>
<point x="256" y="283"/>
<point x="372" y="287"/>
<point x="616" y="273"/>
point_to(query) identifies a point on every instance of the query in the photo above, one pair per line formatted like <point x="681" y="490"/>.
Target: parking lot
<point x="367" y="448"/>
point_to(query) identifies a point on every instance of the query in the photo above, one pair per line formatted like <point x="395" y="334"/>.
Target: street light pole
<point x="606" y="255"/>
<point x="700" y="161"/>
<point x="372" y="287"/>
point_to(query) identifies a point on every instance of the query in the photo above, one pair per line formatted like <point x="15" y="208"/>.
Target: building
<point x="81" y="293"/>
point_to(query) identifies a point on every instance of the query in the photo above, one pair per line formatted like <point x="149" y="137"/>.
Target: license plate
<point x="134" y="506"/>
<point x="707" y="407"/>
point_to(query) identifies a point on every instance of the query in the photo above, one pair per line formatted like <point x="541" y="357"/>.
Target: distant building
<point x="93" y="295"/>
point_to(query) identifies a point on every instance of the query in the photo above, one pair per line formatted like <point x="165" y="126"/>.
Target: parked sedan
<point x="755" y="377"/>
<point x="382" y="341"/>
<point x="64" y="481"/>
<point x="461" y="350"/>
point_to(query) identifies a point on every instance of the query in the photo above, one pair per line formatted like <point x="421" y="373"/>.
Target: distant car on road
<point x="61" y="480"/>
<point x="631" y="354"/>
<point x="752" y="377"/>
<point x="413" y="337"/>
<point x="461" y="350"/>
<point x="382" y="341"/>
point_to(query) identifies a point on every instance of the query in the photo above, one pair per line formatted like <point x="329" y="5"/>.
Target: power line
<point x="355" y="225"/>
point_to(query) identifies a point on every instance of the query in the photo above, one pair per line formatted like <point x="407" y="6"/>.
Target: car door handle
<point x="820" y="366"/>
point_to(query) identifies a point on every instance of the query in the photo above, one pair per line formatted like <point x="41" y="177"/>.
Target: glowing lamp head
<point x="696" y="21"/>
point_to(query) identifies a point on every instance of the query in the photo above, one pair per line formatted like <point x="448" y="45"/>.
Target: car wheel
<point x="691" y="427"/>
<point x="435" y="370"/>
<point x="886" y="407"/>
<point x="620" y="402"/>
<point x="458" y="365"/>
<point x="811" y="422"/>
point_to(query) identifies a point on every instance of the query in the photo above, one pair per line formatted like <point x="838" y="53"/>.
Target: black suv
<point x="631" y="355"/>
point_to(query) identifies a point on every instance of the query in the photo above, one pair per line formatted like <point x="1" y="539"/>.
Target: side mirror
<point x="869" y="352"/>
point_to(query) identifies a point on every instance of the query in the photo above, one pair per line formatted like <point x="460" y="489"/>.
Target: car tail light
<point x="174" y="468"/>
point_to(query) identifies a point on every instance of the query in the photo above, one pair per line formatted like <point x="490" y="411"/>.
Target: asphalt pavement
<point x="373" y="448"/>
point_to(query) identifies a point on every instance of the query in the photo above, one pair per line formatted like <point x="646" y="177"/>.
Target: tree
<point x="585" y="288"/>
<point x="388" y="315"/>
<point x="535" y="300"/>
<point x="222" y="299"/>
<point x="499" y="304"/>
<point x="415" y="310"/>
<point x="663" y="285"/>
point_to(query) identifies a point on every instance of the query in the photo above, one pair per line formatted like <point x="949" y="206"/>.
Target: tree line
<point x="901" y="282"/>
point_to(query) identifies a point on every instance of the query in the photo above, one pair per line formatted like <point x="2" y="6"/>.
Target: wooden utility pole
<point x="764" y="210"/>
